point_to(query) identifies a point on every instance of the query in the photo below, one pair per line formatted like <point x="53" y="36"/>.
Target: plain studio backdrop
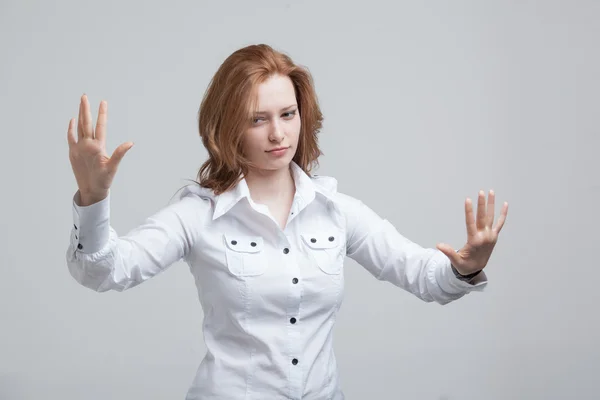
<point x="425" y="103"/>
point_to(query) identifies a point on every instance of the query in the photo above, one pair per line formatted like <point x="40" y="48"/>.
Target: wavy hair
<point x="231" y="99"/>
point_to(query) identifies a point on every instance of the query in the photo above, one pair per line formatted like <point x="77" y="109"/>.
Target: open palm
<point x="481" y="236"/>
<point x="94" y="170"/>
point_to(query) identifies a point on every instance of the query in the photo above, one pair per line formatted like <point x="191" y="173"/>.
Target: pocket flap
<point x="243" y="244"/>
<point x="322" y="240"/>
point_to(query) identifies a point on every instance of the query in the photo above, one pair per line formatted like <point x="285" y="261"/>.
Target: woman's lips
<point x="278" y="152"/>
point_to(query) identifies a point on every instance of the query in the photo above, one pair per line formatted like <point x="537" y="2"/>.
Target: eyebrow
<point x="283" y="109"/>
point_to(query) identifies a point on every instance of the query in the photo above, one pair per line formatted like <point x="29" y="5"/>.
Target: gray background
<point x="425" y="104"/>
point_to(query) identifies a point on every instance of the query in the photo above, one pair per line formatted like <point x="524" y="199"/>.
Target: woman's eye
<point x="289" y="114"/>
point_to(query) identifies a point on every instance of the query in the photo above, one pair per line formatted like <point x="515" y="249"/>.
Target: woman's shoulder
<point x="328" y="186"/>
<point x="194" y="198"/>
<point x="323" y="183"/>
<point x="194" y="190"/>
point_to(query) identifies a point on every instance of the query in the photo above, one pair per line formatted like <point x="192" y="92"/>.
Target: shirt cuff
<point x="450" y="283"/>
<point x="91" y="225"/>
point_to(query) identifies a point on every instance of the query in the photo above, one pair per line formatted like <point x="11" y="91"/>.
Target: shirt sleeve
<point x="376" y="244"/>
<point x="99" y="259"/>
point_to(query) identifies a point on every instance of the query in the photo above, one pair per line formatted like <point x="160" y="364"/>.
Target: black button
<point x="75" y="226"/>
<point x="234" y="242"/>
<point x="292" y="213"/>
<point x="295" y="280"/>
<point x="293" y="320"/>
<point x="286" y="250"/>
<point x="80" y="246"/>
<point x="76" y="237"/>
<point x="331" y="238"/>
<point x="313" y="240"/>
<point x="253" y="244"/>
<point x="294" y="361"/>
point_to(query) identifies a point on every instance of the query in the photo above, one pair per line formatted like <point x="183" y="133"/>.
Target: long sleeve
<point x="376" y="244"/>
<point x="99" y="259"/>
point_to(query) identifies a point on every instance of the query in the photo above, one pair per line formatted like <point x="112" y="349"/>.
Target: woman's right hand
<point x="94" y="170"/>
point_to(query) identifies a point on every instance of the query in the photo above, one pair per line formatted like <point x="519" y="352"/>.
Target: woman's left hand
<point x="481" y="236"/>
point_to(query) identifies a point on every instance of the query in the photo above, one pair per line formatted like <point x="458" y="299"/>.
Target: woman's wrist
<point x="464" y="277"/>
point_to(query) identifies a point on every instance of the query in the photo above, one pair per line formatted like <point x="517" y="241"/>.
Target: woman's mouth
<point x="278" y="151"/>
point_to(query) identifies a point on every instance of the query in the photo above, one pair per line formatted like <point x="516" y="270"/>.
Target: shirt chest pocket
<point x="326" y="248"/>
<point x="245" y="255"/>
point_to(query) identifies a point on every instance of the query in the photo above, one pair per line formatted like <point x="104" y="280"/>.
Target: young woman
<point x="264" y="239"/>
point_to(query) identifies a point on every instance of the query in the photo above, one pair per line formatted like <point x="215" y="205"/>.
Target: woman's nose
<point x="276" y="132"/>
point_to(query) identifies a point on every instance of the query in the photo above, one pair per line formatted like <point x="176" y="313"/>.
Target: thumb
<point x="448" y="251"/>
<point x="119" y="153"/>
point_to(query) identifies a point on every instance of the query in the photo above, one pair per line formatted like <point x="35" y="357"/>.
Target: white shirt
<point x="270" y="296"/>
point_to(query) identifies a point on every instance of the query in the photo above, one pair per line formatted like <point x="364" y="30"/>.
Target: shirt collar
<point x="306" y="189"/>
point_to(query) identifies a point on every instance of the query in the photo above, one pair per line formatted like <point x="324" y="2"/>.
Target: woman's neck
<point x="268" y="186"/>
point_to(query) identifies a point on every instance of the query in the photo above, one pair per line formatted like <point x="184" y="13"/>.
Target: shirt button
<point x="294" y="361"/>
<point x="286" y="250"/>
<point x="80" y="246"/>
<point x="331" y="238"/>
<point x="234" y="242"/>
<point x="295" y="280"/>
<point x="293" y="320"/>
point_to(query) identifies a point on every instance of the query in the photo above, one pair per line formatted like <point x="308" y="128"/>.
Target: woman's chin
<point x="272" y="165"/>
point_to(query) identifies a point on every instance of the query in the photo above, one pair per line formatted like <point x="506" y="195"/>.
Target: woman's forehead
<point x="275" y="94"/>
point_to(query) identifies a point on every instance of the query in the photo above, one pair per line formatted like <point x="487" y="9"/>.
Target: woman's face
<point x="276" y="125"/>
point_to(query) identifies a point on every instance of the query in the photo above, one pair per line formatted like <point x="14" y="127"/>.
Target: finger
<point x="449" y="252"/>
<point x="101" y="123"/>
<point x="469" y="220"/>
<point x="71" y="139"/>
<point x="481" y="210"/>
<point x="88" y="131"/>
<point x="80" y="120"/>
<point x="502" y="218"/>
<point x="118" y="155"/>
<point x="490" y="209"/>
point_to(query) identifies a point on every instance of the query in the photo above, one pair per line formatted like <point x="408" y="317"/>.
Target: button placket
<point x="293" y="309"/>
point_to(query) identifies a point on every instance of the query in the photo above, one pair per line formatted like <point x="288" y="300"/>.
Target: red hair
<point x="229" y="102"/>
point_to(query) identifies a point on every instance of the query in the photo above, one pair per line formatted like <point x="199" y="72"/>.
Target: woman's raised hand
<point x="94" y="170"/>
<point x="482" y="235"/>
